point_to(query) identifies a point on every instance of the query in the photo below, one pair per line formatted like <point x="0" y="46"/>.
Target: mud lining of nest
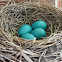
<point x="15" y="15"/>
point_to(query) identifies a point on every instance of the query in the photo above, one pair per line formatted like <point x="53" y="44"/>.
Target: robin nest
<point x="15" y="15"/>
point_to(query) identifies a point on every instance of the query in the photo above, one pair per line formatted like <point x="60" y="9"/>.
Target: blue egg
<point x="39" y="24"/>
<point x="24" y="29"/>
<point x="39" y="32"/>
<point x="28" y="36"/>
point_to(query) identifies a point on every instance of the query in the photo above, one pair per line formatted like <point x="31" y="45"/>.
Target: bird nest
<point x="15" y="15"/>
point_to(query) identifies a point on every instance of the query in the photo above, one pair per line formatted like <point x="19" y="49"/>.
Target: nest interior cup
<point x="29" y="12"/>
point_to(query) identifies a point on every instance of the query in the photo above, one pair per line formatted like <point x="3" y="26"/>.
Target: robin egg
<point x="24" y="29"/>
<point x="28" y="36"/>
<point x="38" y="33"/>
<point x="39" y="24"/>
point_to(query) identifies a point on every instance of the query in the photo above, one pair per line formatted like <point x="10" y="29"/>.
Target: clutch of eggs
<point x="26" y="32"/>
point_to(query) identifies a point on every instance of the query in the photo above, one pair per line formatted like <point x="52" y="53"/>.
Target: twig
<point x="6" y="58"/>
<point x="26" y="57"/>
<point x="42" y="54"/>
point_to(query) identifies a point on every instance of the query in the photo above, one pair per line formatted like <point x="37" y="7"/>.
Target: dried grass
<point x="15" y="49"/>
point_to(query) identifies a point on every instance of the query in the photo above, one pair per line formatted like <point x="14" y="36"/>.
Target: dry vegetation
<point x="15" y="49"/>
